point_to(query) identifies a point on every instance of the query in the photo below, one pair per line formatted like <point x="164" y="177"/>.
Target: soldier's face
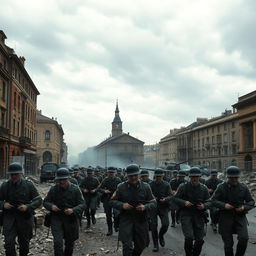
<point x="111" y="174"/>
<point x="144" y="178"/>
<point x="159" y="178"/>
<point x="15" y="177"/>
<point x="63" y="183"/>
<point x="133" y="179"/>
<point x="214" y="177"/>
<point x="233" y="180"/>
<point x="181" y="178"/>
<point x="194" y="180"/>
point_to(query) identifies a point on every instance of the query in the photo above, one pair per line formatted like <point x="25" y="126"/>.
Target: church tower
<point x="117" y="123"/>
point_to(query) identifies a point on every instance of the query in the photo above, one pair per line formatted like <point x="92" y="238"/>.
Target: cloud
<point x="167" y="62"/>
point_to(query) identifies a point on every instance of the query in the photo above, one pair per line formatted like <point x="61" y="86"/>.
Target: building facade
<point x="50" y="140"/>
<point x="229" y="139"/>
<point x="121" y="148"/>
<point x="151" y="155"/>
<point x="18" y="111"/>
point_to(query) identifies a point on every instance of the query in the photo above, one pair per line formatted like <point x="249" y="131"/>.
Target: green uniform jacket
<point x="237" y="196"/>
<point x="23" y="192"/>
<point x="132" y="220"/>
<point x="71" y="197"/>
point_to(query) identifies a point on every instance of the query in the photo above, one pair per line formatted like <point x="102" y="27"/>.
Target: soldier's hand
<point x="229" y="207"/>
<point x="8" y="206"/>
<point x="55" y="208"/>
<point x="140" y="207"/>
<point x="240" y="209"/>
<point x="162" y="200"/>
<point x="188" y="204"/>
<point x="23" y="208"/>
<point x="107" y="191"/>
<point x="68" y="211"/>
<point x="93" y="191"/>
<point x="127" y="206"/>
<point x="210" y="190"/>
<point x="86" y="190"/>
<point x="200" y="206"/>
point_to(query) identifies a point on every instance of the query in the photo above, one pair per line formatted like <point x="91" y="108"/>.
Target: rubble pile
<point x="250" y="181"/>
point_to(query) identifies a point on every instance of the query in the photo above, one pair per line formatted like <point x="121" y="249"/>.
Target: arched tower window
<point x="47" y="135"/>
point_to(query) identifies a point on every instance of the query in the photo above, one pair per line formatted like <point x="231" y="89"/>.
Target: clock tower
<point x="117" y="123"/>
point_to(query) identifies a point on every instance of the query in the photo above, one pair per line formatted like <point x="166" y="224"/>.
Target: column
<point x="241" y="137"/>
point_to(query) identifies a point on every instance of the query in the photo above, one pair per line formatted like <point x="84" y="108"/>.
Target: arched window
<point x="47" y="135"/>
<point x="47" y="157"/>
<point x="248" y="163"/>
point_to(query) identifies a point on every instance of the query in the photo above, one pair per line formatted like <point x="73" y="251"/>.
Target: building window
<point x="3" y="91"/>
<point x="225" y="138"/>
<point x="225" y="150"/>
<point x="233" y="149"/>
<point x="213" y="140"/>
<point x="225" y="126"/>
<point x="47" y="157"/>
<point x="47" y="135"/>
<point x="233" y="136"/>
<point x="2" y="119"/>
<point x="14" y="126"/>
<point x="233" y="124"/>
<point x="15" y="100"/>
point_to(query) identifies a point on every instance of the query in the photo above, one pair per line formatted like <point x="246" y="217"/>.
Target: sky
<point x="167" y="62"/>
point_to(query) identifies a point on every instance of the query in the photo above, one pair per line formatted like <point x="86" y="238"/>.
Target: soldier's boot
<point x="197" y="247"/>
<point x="93" y="212"/>
<point x="162" y="231"/>
<point x="88" y="217"/>
<point x="188" y="247"/>
<point x="241" y="247"/>
<point x="173" y="215"/>
<point x="110" y="230"/>
<point x="68" y="252"/>
<point x="155" y="241"/>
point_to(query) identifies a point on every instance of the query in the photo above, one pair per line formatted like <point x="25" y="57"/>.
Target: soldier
<point x="77" y="176"/>
<point x="212" y="184"/>
<point x="18" y="200"/>
<point x="133" y="198"/>
<point x="192" y="197"/>
<point x="144" y="176"/>
<point x="72" y="179"/>
<point x="120" y="174"/>
<point x="66" y="204"/>
<point x="163" y="194"/>
<point x="89" y="187"/>
<point x="167" y="176"/>
<point x="175" y="211"/>
<point x="107" y="188"/>
<point x="174" y="174"/>
<point x="234" y="201"/>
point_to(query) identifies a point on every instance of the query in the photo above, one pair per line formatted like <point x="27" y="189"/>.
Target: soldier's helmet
<point x="132" y="169"/>
<point x="119" y="170"/>
<point x="233" y="172"/>
<point x="214" y="172"/>
<point x="111" y="169"/>
<point x="159" y="172"/>
<point x="76" y="169"/>
<point x="182" y="174"/>
<point x="174" y="172"/>
<point x="195" y="172"/>
<point x="62" y="173"/>
<point x="144" y="173"/>
<point x="15" y="168"/>
<point x="71" y="170"/>
<point x="89" y="170"/>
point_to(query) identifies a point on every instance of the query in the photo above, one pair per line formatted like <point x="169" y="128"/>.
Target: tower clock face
<point x="117" y="125"/>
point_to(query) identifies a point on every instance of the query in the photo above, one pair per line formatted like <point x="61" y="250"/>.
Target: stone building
<point x="229" y="139"/>
<point x="18" y="111"/>
<point x="121" y="148"/>
<point x="49" y="140"/>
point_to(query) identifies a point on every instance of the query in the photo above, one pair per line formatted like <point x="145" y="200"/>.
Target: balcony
<point x="4" y="132"/>
<point x="24" y="141"/>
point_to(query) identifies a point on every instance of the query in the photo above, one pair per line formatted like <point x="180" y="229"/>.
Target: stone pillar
<point x="241" y="137"/>
<point x="254" y="134"/>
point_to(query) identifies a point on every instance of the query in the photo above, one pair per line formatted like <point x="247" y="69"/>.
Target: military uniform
<point x="193" y="219"/>
<point x="17" y="223"/>
<point x="175" y="210"/>
<point x="63" y="226"/>
<point x="161" y="191"/>
<point x="109" y="183"/>
<point x="133" y="227"/>
<point x="230" y="220"/>
<point x="91" y="184"/>
<point x="144" y="176"/>
<point x="212" y="184"/>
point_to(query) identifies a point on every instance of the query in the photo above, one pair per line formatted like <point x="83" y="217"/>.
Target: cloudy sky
<point x="166" y="61"/>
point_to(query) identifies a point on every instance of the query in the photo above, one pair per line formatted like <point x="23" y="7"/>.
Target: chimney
<point x="2" y="36"/>
<point x="22" y="59"/>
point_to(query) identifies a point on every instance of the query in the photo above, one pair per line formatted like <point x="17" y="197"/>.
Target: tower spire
<point x="117" y="123"/>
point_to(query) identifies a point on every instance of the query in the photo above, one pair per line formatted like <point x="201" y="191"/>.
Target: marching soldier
<point x="175" y="183"/>
<point x="192" y="197"/>
<point x="77" y="176"/>
<point x="89" y="187"/>
<point x="66" y="204"/>
<point x="18" y="200"/>
<point x="144" y="176"/>
<point x="133" y="198"/>
<point x="107" y="188"/>
<point x="72" y="179"/>
<point x="163" y="194"/>
<point x="234" y="201"/>
<point x="120" y="174"/>
<point x="167" y="176"/>
<point x="212" y="184"/>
